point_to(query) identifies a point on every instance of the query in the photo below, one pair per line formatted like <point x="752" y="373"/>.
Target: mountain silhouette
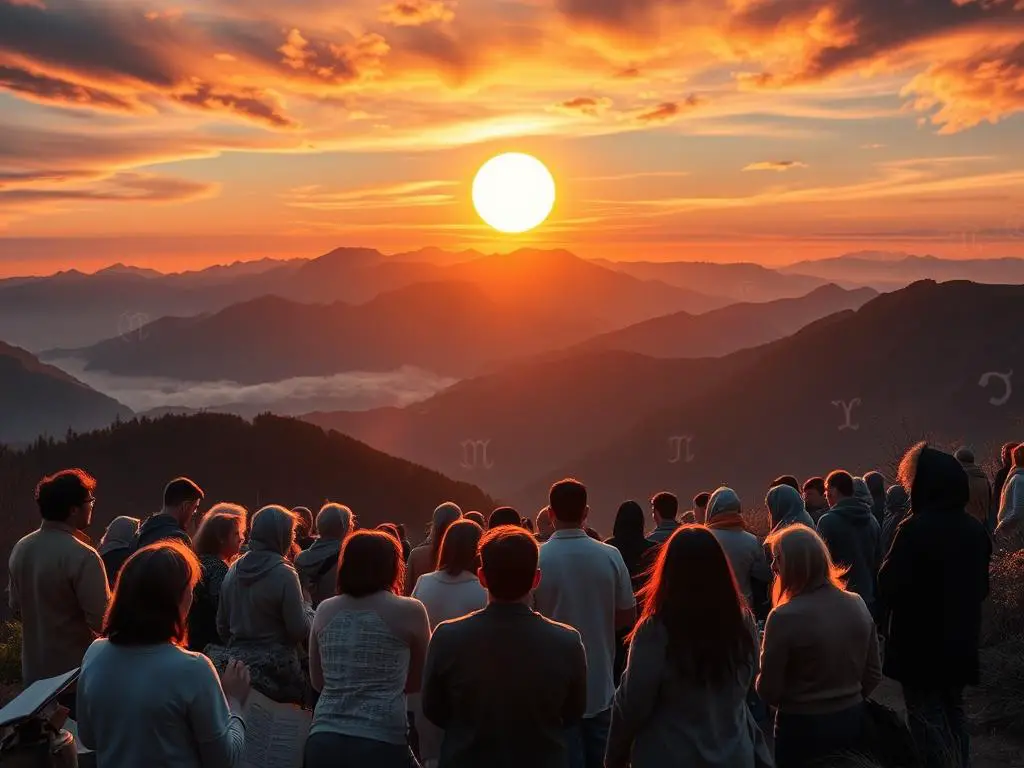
<point x="887" y="271"/>
<point x="37" y="399"/>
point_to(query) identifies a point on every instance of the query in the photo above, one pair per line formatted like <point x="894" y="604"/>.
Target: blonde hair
<point x="908" y="465"/>
<point x="802" y="563"/>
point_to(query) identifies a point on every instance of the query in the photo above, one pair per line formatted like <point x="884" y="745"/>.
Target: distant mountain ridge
<point x="885" y="271"/>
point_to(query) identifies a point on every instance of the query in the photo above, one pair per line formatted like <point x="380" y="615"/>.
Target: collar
<point x="569" y="533"/>
<point x="54" y="525"/>
<point x="667" y="525"/>
<point x="515" y="608"/>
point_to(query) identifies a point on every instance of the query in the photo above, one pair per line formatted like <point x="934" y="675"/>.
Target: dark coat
<point x="853" y="537"/>
<point x="158" y="528"/>
<point x="112" y="562"/>
<point x="934" y="580"/>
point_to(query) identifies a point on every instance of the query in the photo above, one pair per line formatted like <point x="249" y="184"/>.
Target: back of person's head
<point x="936" y="481"/>
<point x="723" y="501"/>
<point x="527" y="523"/>
<point x="629" y="522"/>
<point x="334" y="521"/>
<point x="897" y="501"/>
<point x="180" y="491"/>
<point x="503" y="516"/>
<point x="1006" y="453"/>
<point x="273" y="530"/>
<point x="508" y="563"/>
<point x="665" y="505"/>
<point x="390" y="529"/>
<point x="120" y="533"/>
<point x="814" y="484"/>
<point x="785" y="480"/>
<point x="801" y="562"/>
<point x="444" y="515"/>
<point x="876" y="484"/>
<point x="459" y="548"/>
<point x="60" y="494"/>
<point x="964" y="455"/>
<point x="303" y="521"/>
<point x="370" y="562"/>
<point x="1017" y="455"/>
<point x="543" y="519"/>
<point x="151" y="593"/>
<point x="568" y="501"/>
<point x="476" y="517"/>
<point x="841" y="482"/>
<point x="700" y="501"/>
<point x="218" y="531"/>
<point x="691" y="556"/>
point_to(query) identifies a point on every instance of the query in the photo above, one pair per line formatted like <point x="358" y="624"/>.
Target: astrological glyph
<point x="678" y="454"/>
<point x="474" y="454"/>
<point x="1008" y="387"/>
<point x="848" y="407"/>
<point x="132" y="325"/>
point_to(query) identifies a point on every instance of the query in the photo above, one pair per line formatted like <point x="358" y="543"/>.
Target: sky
<point x="178" y="134"/>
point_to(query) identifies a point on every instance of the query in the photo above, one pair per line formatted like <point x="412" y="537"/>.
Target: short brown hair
<point x="841" y="480"/>
<point x="181" y="490"/>
<point x="59" y="493"/>
<point x="459" y="548"/>
<point x="371" y="561"/>
<point x="146" y="606"/>
<point x="568" y="500"/>
<point x="215" y="529"/>
<point x="508" y="559"/>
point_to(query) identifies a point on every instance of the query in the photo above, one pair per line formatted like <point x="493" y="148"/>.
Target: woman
<point x="1011" y="497"/>
<point x="683" y="697"/>
<point x="217" y="544"/>
<point x="819" y="656"/>
<point x="366" y="651"/>
<point x="745" y="553"/>
<point x="504" y="516"/>
<point x="423" y="559"/>
<point x="637" y="552"/>
<point x="116" y="545"/>
<point x="786" y="507"/>
<point x="264" y="616"/>
<point x="897" y="507"/>
<point x="142" y="699"/>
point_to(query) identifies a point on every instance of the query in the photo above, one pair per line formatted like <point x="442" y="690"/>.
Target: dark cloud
<point x="121" y="187"/>
<point x="669" y="110"/>
<point x="250" y="103"/>
<point x="587" y="105"/>
<point x="55" y="90"/>
<point x="412" y="13"/>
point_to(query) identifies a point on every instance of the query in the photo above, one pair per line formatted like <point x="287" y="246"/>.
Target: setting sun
<point x="513" y="192"/>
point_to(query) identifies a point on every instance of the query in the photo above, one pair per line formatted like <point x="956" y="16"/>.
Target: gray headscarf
<point x="862" y="493"/>
<point x="270" y="538"/>
<point x="119" y="534"/>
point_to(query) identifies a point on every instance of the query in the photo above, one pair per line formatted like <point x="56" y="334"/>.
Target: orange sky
<point x="178" y="134"/>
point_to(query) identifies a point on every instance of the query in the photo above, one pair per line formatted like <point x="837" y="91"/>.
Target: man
<point x="852" y="535"/>
<point x="979" y="505"/>
<point x="700" y="507"/>
<point x="509" y="705"/>
<point x="304" y="529"/>
<point x="785" y="480"/>
<point x="318" y="565"/>
<point x="177" y="519"/>
<point x="58" y="586"/>
<point x="587" y="586"/>
<point x="814" y="498"/>
<point x="544" y="527"/>
<point x="664" y="508"/>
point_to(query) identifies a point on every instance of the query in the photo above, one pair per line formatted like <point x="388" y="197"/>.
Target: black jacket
<point x="934" y="580"/>
<point x="853" y="537"/>
<point x="160" y="527"/>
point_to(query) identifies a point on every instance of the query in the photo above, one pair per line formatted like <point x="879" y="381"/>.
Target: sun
<point x="513" y="192"/>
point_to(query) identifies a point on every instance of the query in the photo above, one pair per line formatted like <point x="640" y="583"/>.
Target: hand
<point x="306" y="597"/>
<point x="235" y="681"/>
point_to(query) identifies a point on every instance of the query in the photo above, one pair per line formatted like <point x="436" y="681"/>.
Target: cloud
<point x="668" y="110"/>
<point x="331" y="62"/>
<point x="775" y="165"/>
<point x="248" y="102"/>
<point x="586" y="105"/>
<point x="120" y="187"/>
<point x="54" y="90"/>
<point x="413" y="13"/>
<point x="408" y="194"/>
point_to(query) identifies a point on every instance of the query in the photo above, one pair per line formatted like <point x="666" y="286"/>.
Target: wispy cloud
<point x="413" y="13"/>
<point x="586" y="105"/>
<point x="409" y="194"/>
<point x="775" y="165"/>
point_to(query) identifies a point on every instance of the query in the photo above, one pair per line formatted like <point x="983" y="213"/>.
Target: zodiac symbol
<point x="848" y="407"/>
<point x="132" y="324"/>
<point x="1005" y="378"/>
<point x="974" y="241"/>
<point x="676" y="442"/>
<point x="474" y="454"/>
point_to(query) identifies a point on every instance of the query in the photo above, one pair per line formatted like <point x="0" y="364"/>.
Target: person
<point x="116" y="544"/>
<point x="406" y="545"/>
<point x="476" y="517"/>
<point x="875" y="482"/>
<point x="366" y="652"/>
<point x="263" y="614"/>
<point x="58" y="586"/>
<point x="745" y="553"/>
<point x="819" y="653"/>
<point x="587" y="586"/>
<point x="934" y="625"/>
<point x="527" y="523"/>
<point x="423" y="559"/>
<point x="786" y="507"/>
<point x="852" y="533"/>
<point x="176" y="519"/>
<point x="317" y="566"/>
<point x="785" y="480"/>
<point x="980" y="502"/>
<point x="544" y="527"/>
<point x="638" y="555"/>
<point x="503" y="516"/>
<point x="664" y="508"/>
<point x="1005" y="465"/>
<point x="1011" y="500"/>
<point x="142" y="698"/>
<point x="700" y="507"/>
<point x="897" y="507"/>
<point x="450" y="592"/>
<point x="683" y="696"/>
<point x="218" y="542"/>
<point x="814" y="498"/>
<point x="305" y="531"/>
<point x="512" y="705"/>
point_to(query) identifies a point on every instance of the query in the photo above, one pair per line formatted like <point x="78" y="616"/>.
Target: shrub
<point x="10" y="653"/>
<point x="1001" y="693"/>
<point x="1003" y="616"/>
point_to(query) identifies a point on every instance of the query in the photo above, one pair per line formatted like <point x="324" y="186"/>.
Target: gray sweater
<point x="269" y="609"/>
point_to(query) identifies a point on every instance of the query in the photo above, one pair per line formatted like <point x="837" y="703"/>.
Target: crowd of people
<point x="512" y="641"/>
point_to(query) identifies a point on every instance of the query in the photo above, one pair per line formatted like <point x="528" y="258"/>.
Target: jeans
<point x="332" y="750"/>
<point x="804" y="740"/>
<point x="939" y="726"/>
<point x="587" y="739"/>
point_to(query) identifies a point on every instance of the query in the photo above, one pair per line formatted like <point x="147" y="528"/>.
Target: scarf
<point x="728" y="521"/>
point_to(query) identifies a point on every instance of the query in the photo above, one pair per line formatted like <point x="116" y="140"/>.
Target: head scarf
<point x="119" y="534"/>
<point x="724" y="510"/>
<point x="785" y="506"/>
<point x="270" y="539"/>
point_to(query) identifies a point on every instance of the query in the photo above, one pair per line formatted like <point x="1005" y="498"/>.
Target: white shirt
<point x="449" y="597"/>
<point x="583" y="583"/>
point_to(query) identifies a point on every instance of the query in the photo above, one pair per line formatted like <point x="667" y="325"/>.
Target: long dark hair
<point x="693" y="593"/>
<point x="459" y="548"/>
<point x="629" y="523"/>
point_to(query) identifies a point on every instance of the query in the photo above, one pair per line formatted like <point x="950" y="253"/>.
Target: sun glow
<point x="513" y="192"/>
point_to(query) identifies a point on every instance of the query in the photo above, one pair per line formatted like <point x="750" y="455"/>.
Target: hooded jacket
<point x="934" y="579"/>
<point x="875" y="482"/>
<point x="786" y="507"/>
<point x="853" y="537"/>
<point x="1011" y="500"/>
<point x="160" y="527"/>
<point x="897" y="507"/>
<point x="317" y="567"/>
<point x="980" y="489"/>
<point x="745" y="553"/>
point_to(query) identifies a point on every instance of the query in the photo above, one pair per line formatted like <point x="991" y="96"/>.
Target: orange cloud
<point x="586" y="105"/>
<point x="775" y="165"/>
<point x="668" y="110"/>
<point x="413" y="13"/>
